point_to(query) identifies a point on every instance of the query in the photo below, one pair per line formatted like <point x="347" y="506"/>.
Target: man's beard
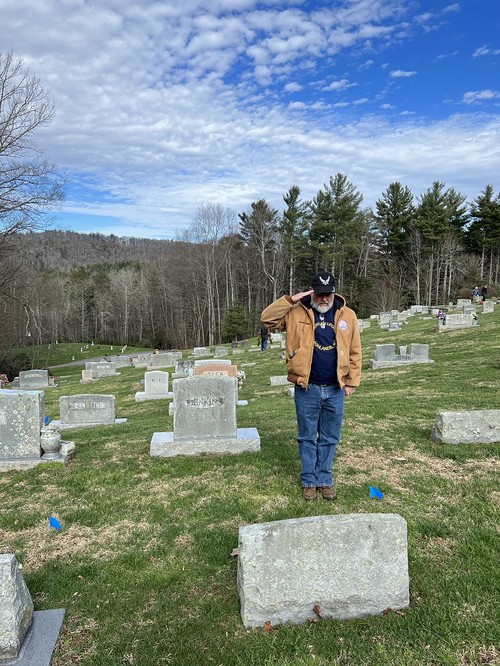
<point x="322" y="308"/>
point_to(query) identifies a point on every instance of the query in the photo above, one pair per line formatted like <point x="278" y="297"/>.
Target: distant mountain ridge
<point x="66" y="250"/>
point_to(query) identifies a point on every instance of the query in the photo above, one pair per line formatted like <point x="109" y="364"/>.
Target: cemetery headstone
<point x="349" y="566"/>
<point x="161" y="361"/>
<point x="480" y="426"/>
<point x="87" y="410"/>
<point x="204" y="420"/>
<point x="155" y="387"/>
<point x="488" y="306"/>
<point x="21" y="419"/>
<point x="220" y="352"/>
<point x="27" y="637"/>
<point x="454" y="322"/>
<point x="184" y="369"/>
<point x="385" y="356"/>
<point x="16" y="607"/>
<point x="33" y="379"/>
<point x="279" y="380"/>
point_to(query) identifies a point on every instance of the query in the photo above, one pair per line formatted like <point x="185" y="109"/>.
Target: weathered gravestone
<point x="161" y="361"/>
<point x="349" y="566"/>
<point x="218" y="368"/>
<point x="27" y="637"/>
<point x="87" y="410"/>
<point x="184" y="369"/>
<point x="279" y="380"/>
<point x="87" y="376"/>
<point x="480" y="426"/>
<point x="488" y="306"/>
<point x="155" y="387"/>
<point x="101" y="369"/>
<point x="394" y="326"/>
<point x="120" y="361"/>
<point x="384" y="319"/>
<point x="34" y="379"/>
<point x="220" y="351"/>
<point x="21" y="419"/>
<point x="204" y="420"/>
<point x="141" y="360"/>
<point x="198" y="352"/>
<point x="454" y="322"/>
<point x="16" y="607"/>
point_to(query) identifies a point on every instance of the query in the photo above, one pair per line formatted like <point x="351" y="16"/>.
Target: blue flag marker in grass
<point x="53" y="522"/>
<point x="375" y="493"/>
<point x="46" y="420"/>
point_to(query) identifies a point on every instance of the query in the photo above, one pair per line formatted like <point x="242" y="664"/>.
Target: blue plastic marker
<point x="375" y="493"/>
<point x="53" y="522"/>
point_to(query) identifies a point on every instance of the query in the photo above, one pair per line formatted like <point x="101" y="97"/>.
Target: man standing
<point x="264" y="335"/>
<point x="323" y="356"/>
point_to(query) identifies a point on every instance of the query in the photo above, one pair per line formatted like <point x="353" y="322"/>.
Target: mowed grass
<point x="143" y="563"/>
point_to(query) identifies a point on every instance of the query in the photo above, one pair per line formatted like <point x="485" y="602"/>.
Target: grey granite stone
<point x="349" y="566"/>
<point x="40" y="640"/>
<point x="467" y="427"/>
<point x="21" y="419"/>
<point x="16" y="607"/>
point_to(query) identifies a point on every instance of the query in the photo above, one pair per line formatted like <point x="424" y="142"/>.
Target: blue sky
<point x="164" y="106"/>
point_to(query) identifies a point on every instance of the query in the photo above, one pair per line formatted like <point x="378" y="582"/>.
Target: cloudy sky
<point x="162" y="106"/>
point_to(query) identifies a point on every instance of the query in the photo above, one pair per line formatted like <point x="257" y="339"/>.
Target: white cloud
<point x="164" y="106"/>
<point x="400" y="73"/>
<point x="484" y="50"/>
<point x="293" y="87"/>
<point x="480" y="95"/>
<point x="343" y="84"/>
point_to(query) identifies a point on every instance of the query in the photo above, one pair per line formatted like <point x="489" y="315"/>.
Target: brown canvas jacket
<point x="298" y="321"/>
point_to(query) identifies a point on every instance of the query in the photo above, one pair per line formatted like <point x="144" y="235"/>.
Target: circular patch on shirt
<point x="343" y="325"/>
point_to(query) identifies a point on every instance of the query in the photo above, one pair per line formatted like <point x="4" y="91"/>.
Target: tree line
<point x="211" y="284"/>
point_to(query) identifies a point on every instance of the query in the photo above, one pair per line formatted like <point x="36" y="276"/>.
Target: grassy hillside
<point x="143" y="561"/>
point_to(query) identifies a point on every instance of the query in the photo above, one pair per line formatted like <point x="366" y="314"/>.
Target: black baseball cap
<point x="323" y="282"/>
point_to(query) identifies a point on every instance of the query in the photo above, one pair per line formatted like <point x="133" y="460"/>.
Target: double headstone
<point x="385" y="356"/>
<point x="204" y="420"/>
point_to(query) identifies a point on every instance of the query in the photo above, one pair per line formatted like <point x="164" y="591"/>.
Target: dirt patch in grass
<point x="484" y="655"/>
<point x="76" y="643"/>
<point x="43" y="545"/>
<point x="397" y="467"/>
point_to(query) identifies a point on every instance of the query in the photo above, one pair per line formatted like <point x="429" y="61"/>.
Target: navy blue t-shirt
<point x="324" y="361"/>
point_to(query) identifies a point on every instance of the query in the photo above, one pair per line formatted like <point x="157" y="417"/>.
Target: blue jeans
<point x="263" y="344"/>
<point x="319" y="419"/>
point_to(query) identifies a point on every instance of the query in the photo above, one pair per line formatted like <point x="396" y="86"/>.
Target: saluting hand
<point x="298" y="297"/>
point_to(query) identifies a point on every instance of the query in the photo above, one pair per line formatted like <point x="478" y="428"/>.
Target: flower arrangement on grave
<point x="241" y="376"/>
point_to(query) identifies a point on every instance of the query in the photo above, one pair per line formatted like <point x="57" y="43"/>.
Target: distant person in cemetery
<point x="484" y="293"/>
<point x="475" y="294"/>
<point x="323" y="356"/>
<point x="264" y="336"/>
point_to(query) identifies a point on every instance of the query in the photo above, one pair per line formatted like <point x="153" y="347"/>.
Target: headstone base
<point x="40" y="640"/>
<point x="374" y="365"/>
<point x="142" y="396"/>
<point x="163" y="444"/>
<point x="75" y="426"/>
<point x="64" y="455"/>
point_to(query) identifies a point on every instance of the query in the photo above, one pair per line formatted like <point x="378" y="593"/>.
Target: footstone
<point x="467" y="427"/>
<point x="279" y="380"/>
<point x="349" y="566"/>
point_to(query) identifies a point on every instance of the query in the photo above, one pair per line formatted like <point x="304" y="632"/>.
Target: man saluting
<point x="323" y="356"/>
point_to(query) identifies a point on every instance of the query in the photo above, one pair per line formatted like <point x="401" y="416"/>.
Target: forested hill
<point x="66" y="250"/>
